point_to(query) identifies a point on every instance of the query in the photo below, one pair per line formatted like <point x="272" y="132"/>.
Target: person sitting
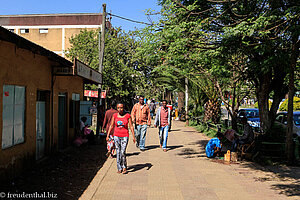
<point x="88" y="133"/>
<point x="213" y="147"/>
<point x="247" y="136"/>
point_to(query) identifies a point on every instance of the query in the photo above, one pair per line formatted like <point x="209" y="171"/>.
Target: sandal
<point x="124" y="171"/>
<point x="119" y="172"/>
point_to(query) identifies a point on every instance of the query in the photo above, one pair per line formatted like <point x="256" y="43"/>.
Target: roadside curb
<point x="95" y="183"/>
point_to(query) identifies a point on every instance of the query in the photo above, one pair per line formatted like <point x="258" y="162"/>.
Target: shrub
<point x="296" y="104"/>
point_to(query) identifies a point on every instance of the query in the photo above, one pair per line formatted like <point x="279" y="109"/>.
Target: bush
<point x="296" y="104"/>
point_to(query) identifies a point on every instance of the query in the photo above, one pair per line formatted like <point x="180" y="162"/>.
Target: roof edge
<point x="50" y="14"/>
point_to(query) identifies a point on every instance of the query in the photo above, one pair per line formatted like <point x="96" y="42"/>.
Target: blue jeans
<point x="121" y="145"/>
<point x="163" y="136"/>
<point x="140" y="135"/>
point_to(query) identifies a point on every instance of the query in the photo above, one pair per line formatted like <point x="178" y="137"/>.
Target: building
<point x="52" y="31"/>
<point x="40" y="96"/>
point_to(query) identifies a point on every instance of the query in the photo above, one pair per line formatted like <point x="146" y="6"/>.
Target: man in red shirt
<point x="162" y="121"/>
<point x="141" y="117"/>
<point x="108" y="116"/>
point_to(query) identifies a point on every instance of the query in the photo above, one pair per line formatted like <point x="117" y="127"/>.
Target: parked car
<point x="281" y="119"/>
<point x="252" y="116"/>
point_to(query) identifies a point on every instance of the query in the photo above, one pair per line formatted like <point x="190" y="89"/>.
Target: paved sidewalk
<point x="183" y="172"/>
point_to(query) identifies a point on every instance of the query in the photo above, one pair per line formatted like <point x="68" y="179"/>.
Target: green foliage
<point x="123" y="72"/>
<point x="229" y="44"/>
<point x="203" y="128"/>
<point x="296" y="104"/>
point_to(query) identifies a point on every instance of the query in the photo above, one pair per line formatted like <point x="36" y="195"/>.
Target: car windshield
<point x="252" y="113"/>
<point x="297" y="119"/>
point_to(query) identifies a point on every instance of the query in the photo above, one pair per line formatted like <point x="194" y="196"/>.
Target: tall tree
<point x="123" y="72"/>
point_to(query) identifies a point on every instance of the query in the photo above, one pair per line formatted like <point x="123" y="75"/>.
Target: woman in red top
<point x="120" y="122"/>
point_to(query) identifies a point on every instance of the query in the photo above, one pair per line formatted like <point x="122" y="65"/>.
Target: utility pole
<point x="100" y="69"/>
<point x="186" y="100"/>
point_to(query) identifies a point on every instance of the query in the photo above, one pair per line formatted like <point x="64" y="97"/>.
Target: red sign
<point x="91" y="93"/>
<point x="6" y="94"/>
<point x="94" y="93"/>
<point x="103" y="94"/>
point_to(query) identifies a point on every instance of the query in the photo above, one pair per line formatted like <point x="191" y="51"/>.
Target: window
<point x="43" y="30"/>
<point x="24" y="30"/>
<point x="13" y="116"/>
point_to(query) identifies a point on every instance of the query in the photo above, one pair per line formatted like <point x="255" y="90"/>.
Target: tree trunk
<point x="212" y="110"/>
<point x="168" y="95"/>
<point x="234" y="122"/>
<point x="289" y="134"/>
<point x="180" y="101"/>
<point x="262" y="93"/>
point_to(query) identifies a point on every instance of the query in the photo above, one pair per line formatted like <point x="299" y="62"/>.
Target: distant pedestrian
<point x="121" y="121"/>
<point x="171" y="109"/>
<point x="141" y="118"/>
<point x="152" y="107"/>
<point x="100" y="119"/>
<point x="162" y="121"/>
<point x="106" y="124"/>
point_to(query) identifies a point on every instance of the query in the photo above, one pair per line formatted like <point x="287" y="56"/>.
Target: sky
<point x="131" y="9"/>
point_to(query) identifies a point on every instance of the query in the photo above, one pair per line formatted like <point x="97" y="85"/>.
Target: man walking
<point x="162" y="121"/>
<point x="141" y="117"/>
<point x="108" y="116"/>
<point x="152" y="108"/>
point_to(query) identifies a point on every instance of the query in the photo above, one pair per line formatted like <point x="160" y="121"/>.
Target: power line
<point x="129" y="19"/>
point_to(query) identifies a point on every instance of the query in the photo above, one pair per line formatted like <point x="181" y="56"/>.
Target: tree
<point x="265" y="33"/>
<point x="260" y="31"/>
<point x="123" y="72"/>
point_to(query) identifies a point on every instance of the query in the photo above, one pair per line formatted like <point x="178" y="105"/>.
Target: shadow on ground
<point x="66" y="174"/>
<point x="200" y="143"/>
<point x="152" y="147"/>
<point x="174" y="147"/>
<point x="132" y="154"/>
<point x="288" y="189"/>
<point x="175" y="130"/>
<point x="285" y="179"/>
<point x="192" y="153"/>
<point x="134" y="168"/>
